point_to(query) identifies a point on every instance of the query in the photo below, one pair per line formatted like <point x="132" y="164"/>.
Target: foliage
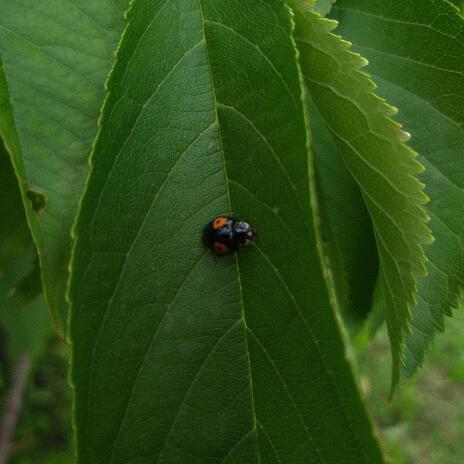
<point x="372" y="149"/>
<point x="204" y="155"/>
<point x="434" y="115"/>
<point x="422" y="423"/>
<point x="56" y="56"/>
<point x="23" y="315"/>
<point x="256" y="109"/>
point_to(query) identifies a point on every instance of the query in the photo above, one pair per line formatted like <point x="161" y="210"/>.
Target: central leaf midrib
<point x="218" y="104"/>
<point x="229" y="201"/>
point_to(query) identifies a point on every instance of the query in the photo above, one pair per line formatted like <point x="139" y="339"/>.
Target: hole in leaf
<point x="38" y="201"/>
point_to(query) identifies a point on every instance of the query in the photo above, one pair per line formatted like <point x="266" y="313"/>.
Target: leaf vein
<point x="110" y="300"/>
<point x="150" y="346"/>
<point x="237" y="322"/>
<point x="260" y="51"/>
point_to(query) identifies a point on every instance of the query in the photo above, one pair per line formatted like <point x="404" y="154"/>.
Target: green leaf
<point x="322" y="7"/>
<point x="56" y="55"/>
<point x="372" y="147"/>
<point x="26" y="322"/>
<point x="23" y="313"/>
<point x="178" y="357"/>
<point x="347" y="232"/>
<point x="432" y="109"/>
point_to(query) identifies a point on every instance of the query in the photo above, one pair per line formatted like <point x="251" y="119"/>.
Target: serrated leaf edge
<point x="423" y="234"/>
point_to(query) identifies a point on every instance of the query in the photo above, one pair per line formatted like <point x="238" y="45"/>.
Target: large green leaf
<point x="372" y="147"/>
<point x="23" y="313"/>
<point x="56" y="55"/>
<point x="177" y="357"/>
<point x="432" y="108"/>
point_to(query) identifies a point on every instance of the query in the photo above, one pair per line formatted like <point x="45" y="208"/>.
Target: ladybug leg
<point x="253" y="223"/>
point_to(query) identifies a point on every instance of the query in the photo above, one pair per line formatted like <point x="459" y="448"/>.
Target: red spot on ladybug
<point x="219" y="222"/>
<point x="221" y="248"/>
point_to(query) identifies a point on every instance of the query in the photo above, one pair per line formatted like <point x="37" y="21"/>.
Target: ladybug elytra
<point x="225" y="235"/>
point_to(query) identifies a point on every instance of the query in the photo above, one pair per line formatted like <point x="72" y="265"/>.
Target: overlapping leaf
<point x="23" y="313"/>
<point x="178" y="358"/>
<point x="56" y="55"/>
<point x="348" y="237"/>
<point x="427" y="84"/>
<point x="323" y="7"/>
<point x="372" y="147"/>
<point x="347" y="234"/>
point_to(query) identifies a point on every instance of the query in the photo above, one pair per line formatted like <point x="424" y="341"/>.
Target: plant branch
<point x="13" y="405"/>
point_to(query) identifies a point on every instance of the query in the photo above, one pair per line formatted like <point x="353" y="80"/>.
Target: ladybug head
<point x="245" y="232"/>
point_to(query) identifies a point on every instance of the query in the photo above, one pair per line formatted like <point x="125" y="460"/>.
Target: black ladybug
<point x="225" y="235"/>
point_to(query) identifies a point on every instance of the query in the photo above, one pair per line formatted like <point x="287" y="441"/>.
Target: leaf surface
<point x="23" y="313"/>
<point x="427" y="84"/>
<point x="371" y="146"/>
<point x="348" y="236"/>
<point x="56" y="56"/>
<point x="178" y="357"/>
<point x="323" y="7"/>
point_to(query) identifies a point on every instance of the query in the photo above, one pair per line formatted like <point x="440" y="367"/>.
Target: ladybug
<point x="225" y="235"/>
